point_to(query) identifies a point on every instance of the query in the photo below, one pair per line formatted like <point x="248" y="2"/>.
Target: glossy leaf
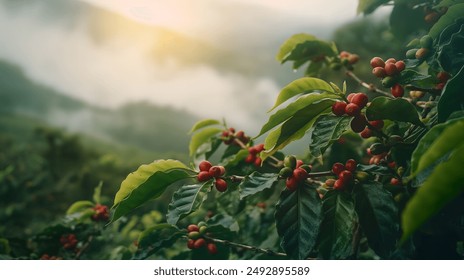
<point x="297" y="221"/>
<point x="312" y="50"/>
<point x="449" y="138"/>
<point x="257" y="182"/>
<point x="301" y="104"/>
<point x="378" y="217"/>
<point x="291" y="43"/>
<point x="337" y="226"/>
<point x="204" y="123"/>
<point x="398" y="109"/>
<point x="426" y="141"/>
<point x="452" y="98"/>
<point x="412" y="77"/>
<point x="374" y="169"/>
<point x="406" y="20"/>
<point x="146" y="183"/>
<point x="368" y="6"/>
<point x="155" y="238"/>
<point x="453" y="13"/>
<point x="302" y="86"/>
<point x="295" y="127"/>
<point x="80" y="206"/>
<point x="186" y="200"/>
<point x="327" y="130"/>
<point x="444" y="184"/>
<point x="202" y="137"/>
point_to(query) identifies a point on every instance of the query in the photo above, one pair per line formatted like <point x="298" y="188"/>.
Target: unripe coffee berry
<point x="290" y="161"/>
<point x="194" y="235"/>
<point x="202" y="230"/>
<point x="286" y="172"/>
<point x="422" y="53"/>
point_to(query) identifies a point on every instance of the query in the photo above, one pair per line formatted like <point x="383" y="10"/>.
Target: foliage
<point x="378" y="198"/>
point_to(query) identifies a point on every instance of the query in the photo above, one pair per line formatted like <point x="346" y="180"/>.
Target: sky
<point x="63" y="51"/>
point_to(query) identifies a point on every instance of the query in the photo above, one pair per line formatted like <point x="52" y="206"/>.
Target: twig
<point x="85" y="247"/>
<point x="370" y="87"/>
<point x="247" y="247"/>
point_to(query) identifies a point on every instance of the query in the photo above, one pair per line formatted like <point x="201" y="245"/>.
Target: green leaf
<point x="368" y="6"/>
<point x="302" y="86"/>
<point x="412" y="77"/>
<point x="295" y="127"/>
<point x="313" y="50"/>
<point x="374" y="169"/>
<point x="204" y="123"/>
<point x="337" y="226"/>
<point x="436" y="144"/>
<point x="327" y="130"/>
<point x="186" y="200"/>
<point x="378" y="217"/>
<point x="289" y="111"/>
<point x="444" y="184"/>
<point x="148" y="182"/>
<point x="257" y="182"/>
<point x="79" y="206"/>
<point x="406" y="20"/>
<point x="155" y="238"/>
<point x="398" y="109"/>
<point x="452" y="14"/>
<point x="452" y="98"/>
<point x="297" y="220"/>
<point x="291" y="43"/>
<point x="202" y="137"/>
<point x="97" y="193"/>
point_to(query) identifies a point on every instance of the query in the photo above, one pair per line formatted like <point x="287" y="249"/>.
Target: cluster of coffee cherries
<point x="422" y="48"/>
<point x="253" y="155"/>
<point x="229" y="137"/>
<point x="344" y="173"/>
<point x="196" y="238"/>
<point x="295" y="172"/>
<point x="69" y="241"/>
<point x="356" y="102"/>
<point x="348" y="58"/>
<point x="101" y="213"/>
<point x="48" y="257"/>
<point x="389" y="71"/>
<point x="208" y="171"/>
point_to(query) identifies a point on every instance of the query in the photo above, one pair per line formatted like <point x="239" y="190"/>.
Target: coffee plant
<point x="381" y="177"/>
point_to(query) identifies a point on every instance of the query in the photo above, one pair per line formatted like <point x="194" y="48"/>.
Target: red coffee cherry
<point x="400" y="65"/>
<point x="422" y="53"/>
<point x="379" y="72"/>
<point x="350" y="165"/>
<point x="190" y="244"/>
<point x="443" y="77"/>
<point x="192" y="227"/>
<point x="291" y="183"/>
<point x="338" y="108"/>
<point x="205" y="165"/>
<point x="339" y="184"/>
<point x="215" y="171"/>
<point x="390" y="60"/>
<point x="250" y="158"/>
<point x="200" y="242"/>
<point x="378" y="124"/>
<point x="395" y="181"/>
<point x="346" y="176"/>
<point x="258" y="162"/>
<point x="397" y="91"/>
<point x="350" y="96"/>
<point x="353" y="58"/>
<point x="358" y="123"/>
<point x="300" y="174"/>
<point x="212" y="249"/>
<point x="360" y="99"/>
<point x="344" y="54"/>
<point x="221" y="185"/>
<point x="352" y="109"/>
<point x="299" y="163"/>
<point x="390" y="69"/>
<point x="366" y="133"/>
<point x="377" y="62"/>
<point x="337" y="168"/>
<point x="203" y="176"/>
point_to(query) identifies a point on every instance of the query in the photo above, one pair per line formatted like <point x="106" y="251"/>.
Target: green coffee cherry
<point x="394" y="139"/>
<point x="290" y="161"/>
<point x="426" y="42"/>
<point x="388" y="82"/>
<point x="194" y="235"/>
<point x="201" y="224"/>
<point x="411" y="54"/>
<point x="203" y="229"/>
<point x="362" y="176"/>
<point x="306" y="167"/>
<point x="286" y="172"/>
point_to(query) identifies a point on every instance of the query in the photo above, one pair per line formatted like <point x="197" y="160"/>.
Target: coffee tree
<point x="382" y="178"/>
